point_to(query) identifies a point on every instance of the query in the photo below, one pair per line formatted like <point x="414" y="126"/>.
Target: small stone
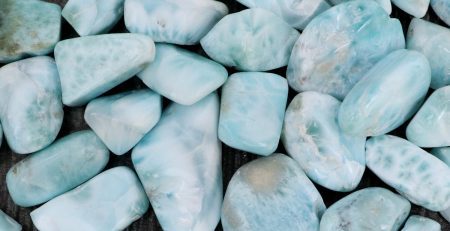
<point x="419" y="223"/>
<point x="8" y="224"/>
<point x="442" y="9"/>
<point x="386" y="4"/>
<point x="416" y="8"/>
<point x="444" y="155"/>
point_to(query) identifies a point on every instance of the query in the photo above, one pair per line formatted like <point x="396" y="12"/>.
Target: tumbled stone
<point x="182" y="76"/>
<point x="8" y="224"/>
<point x="442" y="9"/>
<point x="416" y="8"/>
<point x="179" y="164"/>
<point x="251" y="40"/>
<point x="386" y="4"/>
<point x="444" y="155"/>
<point x="419" y="223"/>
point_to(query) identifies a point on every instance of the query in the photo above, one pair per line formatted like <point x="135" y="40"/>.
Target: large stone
<point x="442" y="9"/>
<point x="8" y="224"/>
<point x="444" y="155"/>
<point x="418" y="223"/>
<point x="386" y="4"/>
<point x="416" y="8"/>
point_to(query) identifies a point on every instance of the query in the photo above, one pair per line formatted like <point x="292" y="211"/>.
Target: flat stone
<point x="444" y="155"/>
<point x="442" y="9"/>
<point x="387" y="95"/>
<point x="110" y="201"/>
<point x="8" y="224"/>
<point x="416" y="8"/>
<point x="313" y="138"/>
<point x="386" y="4"/>
<point x="252" y="111"/>
<point x="271" y="193"/>
<point x="251" y="40"/>
<point x="419" y="223"/>
<point x="179" y="164"/>
<point x="182" y="76"/>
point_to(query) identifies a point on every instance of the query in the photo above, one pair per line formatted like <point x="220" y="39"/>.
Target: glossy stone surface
<point x="442" y="9"/>
<point x="8" y="224"/>
<point x="418" y="223"/>
<point x="252" y="111"/>
<point x="179" y="22"/>
<point x="386" y="4"/>
<point x="444" y="155"/>
<point x="89" y="66"/>
<point x="271" y="193"/>
<point x="388" y="95"/>
<point x="182" y="76"/>
<point x="251" y="40"/>
<point x="110" y="201"/>
<point x="313" y="138"/>
<point x="416" y="8"/>
<point x="179" y="164"/>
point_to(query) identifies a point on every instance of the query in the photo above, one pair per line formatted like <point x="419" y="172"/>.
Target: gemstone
<point x="271" y="193"/>
<point x="8" y="224"/>
<point x="179" y="164"/>
<point x="442" y="9"/>
<point x="251" y="40"/>
<point x="416" y="8"/>
<point x="252" y="111"/>
<point x="419" y="223"/>
<point x="182" y="76"/>
<point x="313" y="138"/>
<point x="444" y="155"/>
<point x="386" y="4"/>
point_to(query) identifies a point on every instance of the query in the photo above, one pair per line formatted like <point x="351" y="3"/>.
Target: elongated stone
<point x="89" y="66"/>
<point x="419" y="223"/>
<point x="388" y="95"/>
<point x="182" y="76"/>
<point x="251" y="40"/>
<point x="416" y="8"/>
<point x="31" y="111"/>
<point x="110" y="201"/>
<point x="386" y="4"/>
<point x="313" y="138"/>
<point x="442" y="9"/>
<point x="8" y="224"/>
<point x="179" y="164"/>
<point x="444" y="155"/>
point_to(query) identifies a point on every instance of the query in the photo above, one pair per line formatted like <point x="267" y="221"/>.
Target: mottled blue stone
<point x="8" y="224"/>
<point x="416" y="8"/>
<point x="419" y="223"/>
<point x="444" y="155"/>
<point x="442" y="9"/>
<point x="386" y="4"/>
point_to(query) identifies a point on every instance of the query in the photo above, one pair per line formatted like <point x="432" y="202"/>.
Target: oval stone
<point x="419" y="223"/>
<point x="442" y="9"/>
<point x="416" y="8"/>
<point x="444" y="155"/>
<point x="8" y="224"/>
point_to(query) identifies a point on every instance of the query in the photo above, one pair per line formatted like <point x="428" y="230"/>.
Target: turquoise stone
<point x="182" y="76"/>
<point x="442" y="9"/>
<point x="271" y="193"/>
<point x="251" y="40"/>
<point x="60" y="167"/>
<point x="444" y="155"/>
<point x="8" y="224"/>
<point x="180" y="22"/>
<point x="386" y="4"/>
<point x="369" y="209"/>
<point x="110" y="201"/>
<point x="414" y="173"/>
<point x="387" y="95"/>
<point x="313" y="138"/>
<point x="89" y="66"/>
<point x="179" y="164"/>
<point x="416" y="8"/>
<point x="31" y="111"/>
<point x="418" y="223"/>
<point x="340" y="45"/>
<point x="252" y="111"/>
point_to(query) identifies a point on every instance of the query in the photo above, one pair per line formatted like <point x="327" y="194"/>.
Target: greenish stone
<point x="8" y="224"/>
<point x="416" y="8"/>
<point x="419" y="223"/>
<point x="386" y="4"/>
<point x="444" y="155"/>
<point x="442" y="9"/>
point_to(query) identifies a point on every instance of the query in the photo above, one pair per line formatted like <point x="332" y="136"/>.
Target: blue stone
<point x="416" y="8"/>
<point x="444" y="155"/>
<point x="182" y="76"/>
<point x="271" y="193"/>
<point x="419" y="223"/>
<point x="8" y="224"/>
<point x="179" y="164"/>
<point x="313" y="138"/>
<point x="252" y="111"/>
<point x="386" y="4"/>
<point x="387" y="95"/>
<point x="110" y="201"/>
<point x="442" y="9"/>
<point x="251" y="40"/>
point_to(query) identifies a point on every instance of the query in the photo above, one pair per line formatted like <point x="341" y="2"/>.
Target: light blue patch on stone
<point x="442" y="9"/>
<point x="419" y="223"/>
<point x="8" y="224"/>
<point x="386" y="4"/>
<point x="416" y="8"/>
<point x="444" y="155"/>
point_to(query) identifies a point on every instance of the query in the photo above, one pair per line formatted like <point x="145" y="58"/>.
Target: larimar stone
<point x="31" y="111"/>
<point x="416" y="8"/>
<point x="179" y="164"/>
<point x="340" y="45"/>
<point x="252" y="111"/>
<point x="182" y="76"/>
<point x="388" y="95"/>
<point x="386" y="4"/>
<point x="8" y="224"/>
<point x="110" y="201"/>
<point x="251" y="40"/>
<point x="180" y="22"/>
<point x="271" y="193"/>
<point x="366" y="209"/>
<point x="313" y="138"/>
<point x="419" y="223"/>
<point x="122" y="120"/>
<point x="444" y="155"/>
<point x="442" y="9"/>
<point x="89" y="66"/>
<point x="414" y="173"/>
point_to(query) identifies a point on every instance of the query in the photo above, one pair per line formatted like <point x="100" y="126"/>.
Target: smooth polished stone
<point x="31" y="111"/>
<point x="369" y="209"/>
<point x="179" y="22"/>
<point x="182" y="76"/>
<point x="110" y="201"/>
<point x="416" y="8"/>
<point x="252" y="111"/>
<point x="179" y="164"/>
<point x="313" y="138"/>
<point x="414" y="173"/>
<point x="388" y="95"/>
<point x="271" y="193"/>
<point x="444" y="155"/>
<point x="419" y="223"/>
<point x="386" y="4"/>
<point x="251" y="40"/>
<point x="338" y="47"/>
<point x="91" y="65"/>
<point x="442" y="9"/>
<point x="8" y="224"/>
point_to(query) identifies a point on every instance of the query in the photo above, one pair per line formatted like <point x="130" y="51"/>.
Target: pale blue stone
<point x="251" y="40"/>
<point x="179" y="164"/>
<point x="8" y="224"/>
<point x="442" y="9"/>
<point x="416" y="8"/>
<point x="387" y="95"/>
<point x="340" y="45"/>
<point x="386" y="4"/>
<point x="419" y="223"/>
<point x="444" y="155"/>
<point x="369" y="209"/>
<point x="89" y="66"/>
<point x="31" y="111"/>
<point x="110" y="201"/>
<point x="311" y="135"/>
<point x="252" y="111"/>
<point x="271" y="193"/>
<point x="180" y="22"/>
<point x="182" y="76"/>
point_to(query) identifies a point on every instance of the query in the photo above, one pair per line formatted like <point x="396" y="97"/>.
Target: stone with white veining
<point x="444" y="155"/>
<point x="419" y="223"/>
<point x="386" y="4"/>
<point x="8" y="224"/>
<point x="442" y="9"/>
<point x="416" y="8"/>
